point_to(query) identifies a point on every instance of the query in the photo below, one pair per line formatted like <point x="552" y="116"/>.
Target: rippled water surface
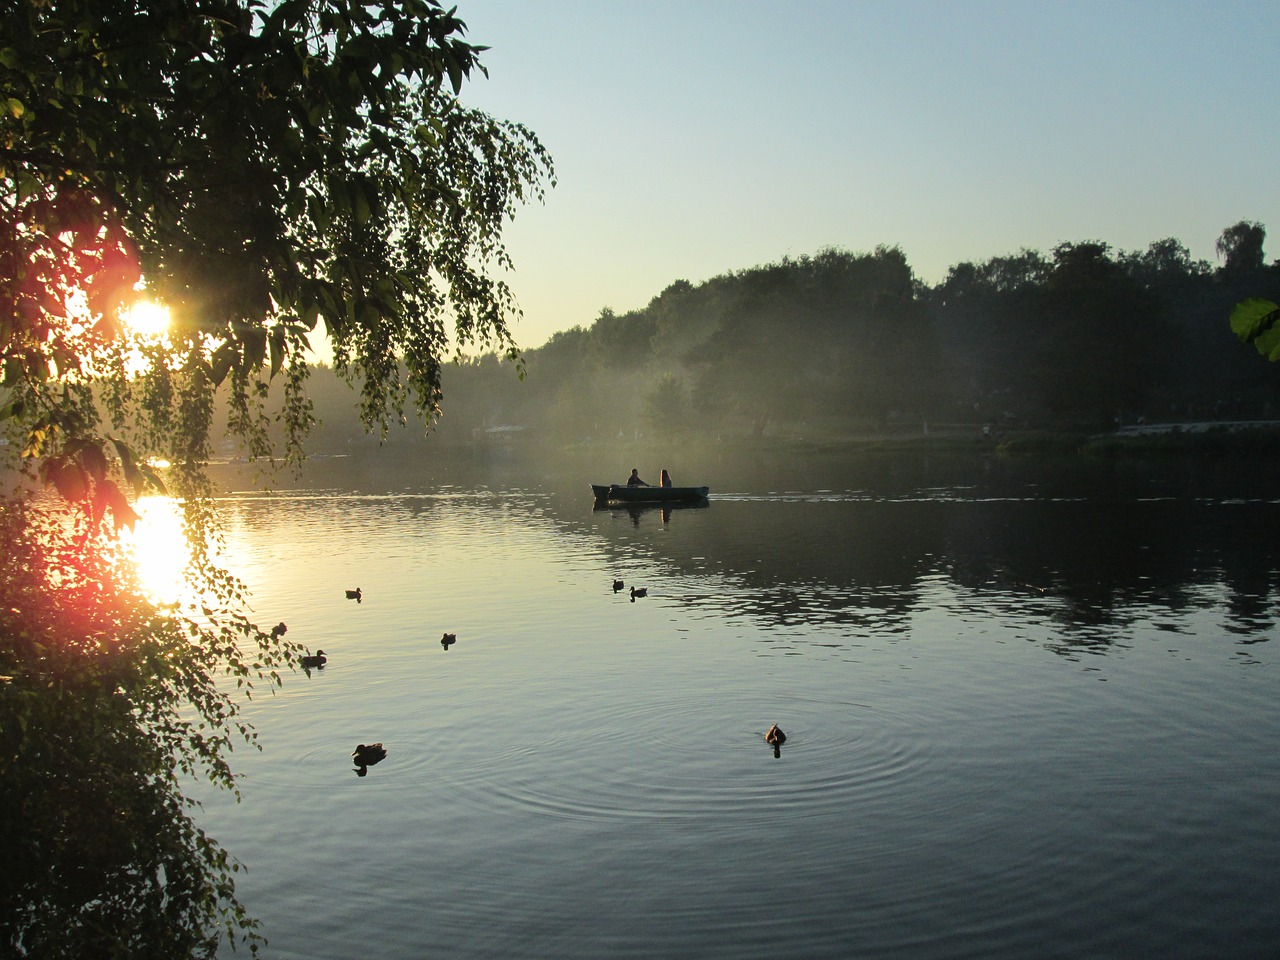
<point x="1022" y="720"/>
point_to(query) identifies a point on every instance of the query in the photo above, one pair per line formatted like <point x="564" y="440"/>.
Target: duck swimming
<point x="448" y="640"/>
<point x="642" y="592"/>
<point x="366" y="755"/>
<point x="354" y="594"/>
<point x="313" y="662"/>
<point x="775" y="736"/>
<point x="618" y="585"/>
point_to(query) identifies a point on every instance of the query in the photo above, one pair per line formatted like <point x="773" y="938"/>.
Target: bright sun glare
<point x="146" y="319"/>
<point x="160" y="547"/>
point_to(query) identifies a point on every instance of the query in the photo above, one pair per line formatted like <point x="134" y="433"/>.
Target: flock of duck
<point x="635" y="592"/>
<point x="366" y="755"/>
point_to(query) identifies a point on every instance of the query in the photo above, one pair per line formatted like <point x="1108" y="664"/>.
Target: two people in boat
<point x="635" y="481"/>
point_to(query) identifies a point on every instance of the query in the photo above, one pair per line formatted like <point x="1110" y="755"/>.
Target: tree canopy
<point x="268" y="172"/>
<point x="263" y="170"/>
<point x="841" y="344"/>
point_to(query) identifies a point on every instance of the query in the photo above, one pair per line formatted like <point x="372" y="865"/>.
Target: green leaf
<point x="110" y="497"/>
<point x="277" y="348"/>
<point x="132" y="475"/>
<point x="1268" y="343"/>
<point x="67" y="477"/>
<point x="1257" y="321"/>
<point x="360" y="198"/>
<point x="221" y="362"/>
<point x="1253" y="317"/>
<point x="93" y="460"/>
<point x="255" y="347"/>
<point x="153" y="480"/>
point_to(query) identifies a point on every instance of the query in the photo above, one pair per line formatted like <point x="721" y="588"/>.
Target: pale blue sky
<point x="694" y="138"/>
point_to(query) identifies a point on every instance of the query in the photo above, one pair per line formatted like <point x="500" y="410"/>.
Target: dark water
<point x="1031" y="712"/>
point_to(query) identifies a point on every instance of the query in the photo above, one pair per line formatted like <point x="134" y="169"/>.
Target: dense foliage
<point x="268" y="171"/>
<point x="841" y="344"/>
<point x="108" y="702"/>
<point x="263" y="170"/>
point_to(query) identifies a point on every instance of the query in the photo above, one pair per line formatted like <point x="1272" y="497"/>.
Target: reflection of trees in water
<point x="1085" y="548"/>
<point x="1087" y="569"/>
<point x="1110" y="564"/>
<point x="852" y="563"/>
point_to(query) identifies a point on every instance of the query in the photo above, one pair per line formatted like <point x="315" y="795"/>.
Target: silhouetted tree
<point x="840" y="342"/>
<point x="1240" y="247"/>
<point x="266" y="170"/>
<point x="1165" y="265"/>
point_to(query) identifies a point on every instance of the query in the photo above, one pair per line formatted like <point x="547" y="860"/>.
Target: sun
<point x="146" y="319"/>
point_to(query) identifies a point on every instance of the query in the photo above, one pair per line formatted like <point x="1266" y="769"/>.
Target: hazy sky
<point x="693" y="138"/>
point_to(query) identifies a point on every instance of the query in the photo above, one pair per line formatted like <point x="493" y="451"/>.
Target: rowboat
<point x="638" y="493"/>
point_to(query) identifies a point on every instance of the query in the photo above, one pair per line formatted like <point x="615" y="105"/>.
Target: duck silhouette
<point x="642" y="592"/>
<point x="618" y="585"/>
<point x="313" y="662"/>
<point x="279" y="630"/>
<point x="448" y="640"/>
<point x="366" y="755"/>
<point x="354" y="594"/>
<point x="775" y="738"/>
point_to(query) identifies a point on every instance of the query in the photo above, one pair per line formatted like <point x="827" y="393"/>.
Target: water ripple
<point x="660" y="772"/>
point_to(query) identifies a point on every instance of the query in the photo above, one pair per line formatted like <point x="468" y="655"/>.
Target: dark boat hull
<point x="621" y="493"/>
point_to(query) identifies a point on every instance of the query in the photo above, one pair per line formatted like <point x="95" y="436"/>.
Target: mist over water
<point x="1030" y="711"/>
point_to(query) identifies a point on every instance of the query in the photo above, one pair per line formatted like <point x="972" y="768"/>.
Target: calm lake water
<point x="1031" y="711"/>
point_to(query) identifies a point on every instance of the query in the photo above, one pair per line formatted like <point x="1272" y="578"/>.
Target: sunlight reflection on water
<point x="159" y="547"/>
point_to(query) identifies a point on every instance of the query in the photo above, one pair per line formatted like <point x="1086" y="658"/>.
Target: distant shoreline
<point x="1201" y="439"/>
<point x="1191" y="438"/>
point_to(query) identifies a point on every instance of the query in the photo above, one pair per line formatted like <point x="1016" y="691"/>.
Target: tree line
<point x="839" y="344"/>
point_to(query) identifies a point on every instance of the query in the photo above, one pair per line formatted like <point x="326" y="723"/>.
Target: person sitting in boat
<point x="634" y="480"/>
<point x="665" y="480"/>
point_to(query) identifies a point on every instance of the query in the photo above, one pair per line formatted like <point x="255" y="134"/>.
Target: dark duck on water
<point x="366" y="755"/>
<point x="775" y="738"/>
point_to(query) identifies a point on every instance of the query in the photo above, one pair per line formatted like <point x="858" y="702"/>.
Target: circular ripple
<point x="668" y="759"/>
